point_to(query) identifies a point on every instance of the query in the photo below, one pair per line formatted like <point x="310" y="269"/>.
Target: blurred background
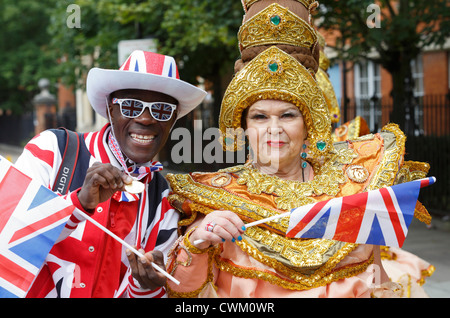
<point x="389" y="62"/>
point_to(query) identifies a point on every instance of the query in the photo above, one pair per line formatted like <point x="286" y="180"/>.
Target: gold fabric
<point x="328" y="93"/>
<point x="351" y="130"/>
<point x="300" y="263"/>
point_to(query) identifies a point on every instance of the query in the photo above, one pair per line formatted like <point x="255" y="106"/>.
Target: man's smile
<point x="142" y="139"/>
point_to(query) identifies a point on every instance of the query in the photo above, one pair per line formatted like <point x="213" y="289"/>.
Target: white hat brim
<point x="102" y="82"/>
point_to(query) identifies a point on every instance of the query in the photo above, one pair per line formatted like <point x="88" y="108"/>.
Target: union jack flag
<point x="162" y="111"/>
<point x="131" y="107"/>
<point x="149" y="62"/>
<point x="31" y="220"/>
<point x="378" y="217"/>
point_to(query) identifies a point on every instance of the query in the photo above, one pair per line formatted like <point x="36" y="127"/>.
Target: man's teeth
<point x="142" y="138"/>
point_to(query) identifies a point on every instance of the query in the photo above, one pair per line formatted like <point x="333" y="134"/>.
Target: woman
<point x="278" y="102"/>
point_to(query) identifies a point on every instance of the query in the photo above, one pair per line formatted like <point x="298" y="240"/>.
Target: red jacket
<point x="85" y="261"/>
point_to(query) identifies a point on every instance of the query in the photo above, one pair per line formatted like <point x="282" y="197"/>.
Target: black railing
<point x="428" y="138"/>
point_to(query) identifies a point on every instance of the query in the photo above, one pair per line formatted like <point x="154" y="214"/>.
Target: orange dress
<point x="266" y="263"/>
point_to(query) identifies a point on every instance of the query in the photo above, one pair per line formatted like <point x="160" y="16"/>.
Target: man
<point x="142" y="101"/>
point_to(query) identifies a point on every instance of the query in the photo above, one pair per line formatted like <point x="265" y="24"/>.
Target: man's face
<point x="140" y="138"/>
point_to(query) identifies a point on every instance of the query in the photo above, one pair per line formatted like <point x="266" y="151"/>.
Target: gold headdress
<point x="276" y="25"/>
<point x="325" y="83"/>
<point x="309" y="4"/>
<point x="274" y="74"/>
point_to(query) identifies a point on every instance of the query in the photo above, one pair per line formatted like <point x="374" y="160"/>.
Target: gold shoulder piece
<point x="276" y="25"/>
<point x="392" y="159"/>
<point x="414" y="170"/>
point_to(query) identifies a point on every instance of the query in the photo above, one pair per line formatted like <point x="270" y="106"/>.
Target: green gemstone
<point x="321" y="145"/>
<point x="275" y="20"/>
<point x="273" y="67"/>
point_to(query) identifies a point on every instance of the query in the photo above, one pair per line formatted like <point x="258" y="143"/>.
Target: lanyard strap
<point x="141" y="171"/>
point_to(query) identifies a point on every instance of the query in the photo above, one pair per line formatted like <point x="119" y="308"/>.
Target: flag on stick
<point x="379" y="217"/>
<point x="31" y="220"/>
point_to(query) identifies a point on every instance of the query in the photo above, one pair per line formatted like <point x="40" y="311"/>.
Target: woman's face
<point x="276" y="132"/>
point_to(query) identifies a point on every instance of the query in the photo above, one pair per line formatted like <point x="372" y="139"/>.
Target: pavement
<point x="431" y="243"/>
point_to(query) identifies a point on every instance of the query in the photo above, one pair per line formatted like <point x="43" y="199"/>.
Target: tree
<point x="200" y="34"/>
<point x="24" y="52"/>
<point x="405" y="28"/>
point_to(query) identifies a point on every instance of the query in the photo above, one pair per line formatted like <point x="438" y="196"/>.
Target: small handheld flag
<point x="31" y="219"/>
<point x="379" y="217"/>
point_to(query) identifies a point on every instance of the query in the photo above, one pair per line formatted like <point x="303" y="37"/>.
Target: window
<point x="417" y="74"/>
<point x="368" y="93"/>
<point x="417" y="110"/>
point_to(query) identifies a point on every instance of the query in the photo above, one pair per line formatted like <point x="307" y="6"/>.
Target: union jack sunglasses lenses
<point x="132" y="108"/>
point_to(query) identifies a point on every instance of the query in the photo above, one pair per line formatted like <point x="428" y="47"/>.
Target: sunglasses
<point x="133" y="108"/>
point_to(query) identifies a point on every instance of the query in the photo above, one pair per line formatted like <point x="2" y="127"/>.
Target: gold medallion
<point x="135" y="187"/>
<point x="357" y="173"/>
<point x="221" y="180"/>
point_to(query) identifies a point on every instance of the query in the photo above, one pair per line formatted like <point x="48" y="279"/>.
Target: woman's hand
<point x="218" y="227"/>
<point x="101" y="182"/>
<point x="143" y="271"/>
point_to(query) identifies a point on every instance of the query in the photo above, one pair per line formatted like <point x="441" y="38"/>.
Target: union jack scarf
<point x="141" y="171"/>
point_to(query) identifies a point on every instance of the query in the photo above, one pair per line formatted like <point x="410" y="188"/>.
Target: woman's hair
<point x="307" y="57"/>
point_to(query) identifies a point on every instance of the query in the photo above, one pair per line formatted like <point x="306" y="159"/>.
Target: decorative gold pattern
<point x="392" y="158"/>
<point x="207" y="198"/>
<point x="247" y="3"/>
<point x="288" y="28"/>
<point x="324" y="61"/>
<point x="212" y="253"/>
<point x="292" y="194"/>
<point x="294" y="84"/>
<point x="295" y="281"/>
<point x="330" y="96"/>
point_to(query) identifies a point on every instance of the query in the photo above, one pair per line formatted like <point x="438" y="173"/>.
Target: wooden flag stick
<point x="246" y="226"/>
<point x="104" y="229"/>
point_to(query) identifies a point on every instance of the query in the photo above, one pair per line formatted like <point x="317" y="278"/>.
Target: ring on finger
<point x="210" y="226"/>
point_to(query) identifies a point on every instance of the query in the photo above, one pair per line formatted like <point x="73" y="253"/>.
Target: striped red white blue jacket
<point x="70" y="268"/>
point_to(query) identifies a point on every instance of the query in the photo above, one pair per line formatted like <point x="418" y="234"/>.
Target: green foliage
<point x="405" y="29"/>
<point x="36" y="41"/>
<point x="24" y="52"/>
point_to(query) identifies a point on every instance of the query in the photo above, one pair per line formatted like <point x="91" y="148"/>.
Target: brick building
<point x="368" y="89"/>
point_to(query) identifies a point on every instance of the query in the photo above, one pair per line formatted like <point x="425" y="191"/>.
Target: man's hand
<point x="101" y="182"/>
<point x="143" y="271"/>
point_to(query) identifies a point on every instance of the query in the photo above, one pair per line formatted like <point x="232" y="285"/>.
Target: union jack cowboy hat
<point x="143" y="70"/>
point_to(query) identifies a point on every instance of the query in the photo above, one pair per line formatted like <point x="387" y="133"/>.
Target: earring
<point x="304" y="155"/>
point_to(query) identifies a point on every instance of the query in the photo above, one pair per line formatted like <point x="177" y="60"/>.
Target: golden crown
<point x="274" y="74"/>
<point x="309" y="4"/>
<point x="328" y="92"/>
<point x="276" y="25"/>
